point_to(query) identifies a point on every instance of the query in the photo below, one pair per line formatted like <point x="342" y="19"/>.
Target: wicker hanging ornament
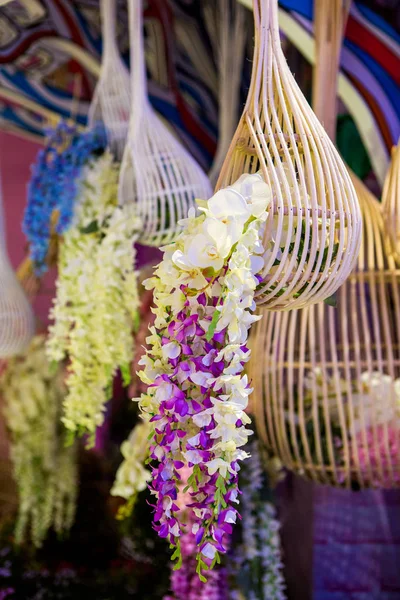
<point x="16" y="316"/>
<point x="313" y="233"/>
<point x="111" y="100"/>
<point x="391" y="202"/>
<point x="157" y="173"/>
<point x="327" y="393"/>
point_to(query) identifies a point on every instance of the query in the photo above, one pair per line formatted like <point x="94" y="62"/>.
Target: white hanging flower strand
<point x="45" y="470"/>
<point x="260" y="553"/>
<point x="97" y="299"/>
<point x="132" y="477"/>
<point x="197" y="395"/>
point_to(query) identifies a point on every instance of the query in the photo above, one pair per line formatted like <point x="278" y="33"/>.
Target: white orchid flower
<point x="255" y="191"/>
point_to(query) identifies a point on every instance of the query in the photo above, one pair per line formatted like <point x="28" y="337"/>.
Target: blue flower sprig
<point x="54" y="185"/>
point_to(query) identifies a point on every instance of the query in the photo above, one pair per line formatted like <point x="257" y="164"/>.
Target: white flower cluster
<point x="45" y="469"/>
<point x="375" y="397"/>
<point x="97" y="299"/>
<point x="132" y="476"/>
<point x="260" y="533"/>
<point x="249" y="514"/>
<point x="270" y="552"/>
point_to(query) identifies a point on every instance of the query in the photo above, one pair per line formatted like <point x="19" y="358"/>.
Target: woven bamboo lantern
<point x="16" y="315"/>
<point x="111" y="99"/>
<point x="327" y="391"/>
<point x="157" y="173"/>
<point x="313" y="233"/>
<point x="391" y="202"/>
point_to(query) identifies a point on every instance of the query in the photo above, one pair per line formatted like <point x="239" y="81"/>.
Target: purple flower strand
<point x="197" y="393"/>
<point x="185" y="581"/>
<point x="186" y="395"/>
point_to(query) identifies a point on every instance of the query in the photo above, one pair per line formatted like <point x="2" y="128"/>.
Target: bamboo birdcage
<point x="391" y="202"/>
<point x="312" y="235"/>
<point x="157" y="174"/>
<point x="326" y="398"/>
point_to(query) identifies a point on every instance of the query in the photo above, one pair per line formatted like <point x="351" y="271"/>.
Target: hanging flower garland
<point x="45" y="469"/>
<point x="257" y="559"/>
<point x="96" y="305"/>
<point x="55" y="183"/>
<point x="184" y="583"/>
<point x="204" y="302"/>
<point x="132" y="476"/>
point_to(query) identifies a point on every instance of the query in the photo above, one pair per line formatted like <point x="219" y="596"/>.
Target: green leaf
<point x="325" y="255"/>
<point x="192" y="292"/>
<point x="93" y="227"/>
<point x="200" y="564"/>
<point x="91" y="441"/>
<point x="54" y="367"/>
<point x="213" y="325"/>
<point x="192" y="482"/>
<point x="331" y="300"/>
<point x="109" y="390"/>
<point x="69" y="438"/>
<point x="136" y="321"/>
<point x="126" y="375"/>
<point x="89" y="186"/>
<point x="208" y="272"/>
<point x="220" y="484"/>
<point x="176" y="554"/>
<point x="178" y="565"/>
<point x="216" y="560"/>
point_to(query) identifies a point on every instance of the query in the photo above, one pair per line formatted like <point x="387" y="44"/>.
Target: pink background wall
<point x="16" y="157"/>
